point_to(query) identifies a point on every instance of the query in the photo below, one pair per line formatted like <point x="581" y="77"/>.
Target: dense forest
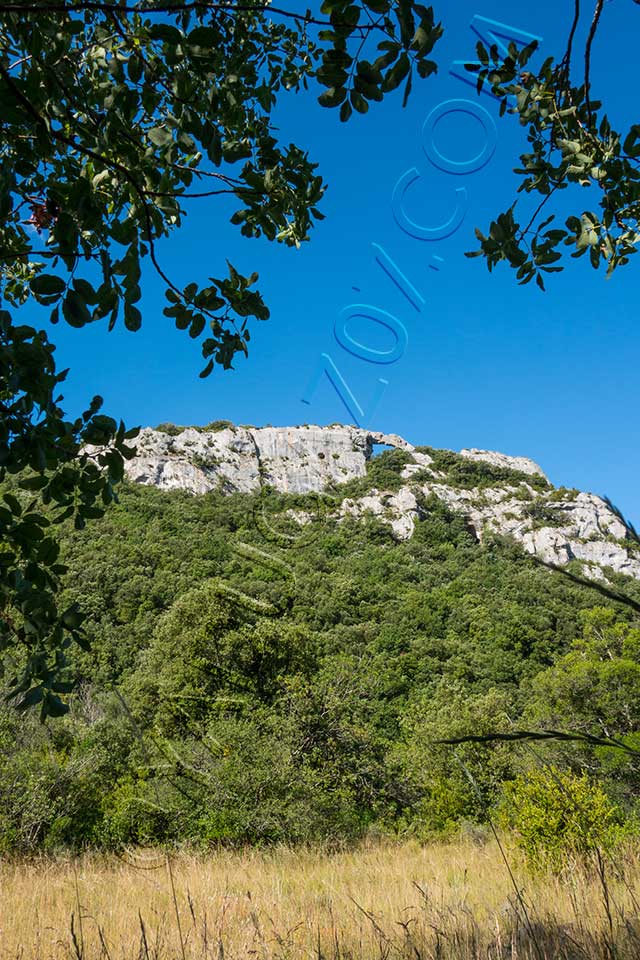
<point x="251" y="679"/>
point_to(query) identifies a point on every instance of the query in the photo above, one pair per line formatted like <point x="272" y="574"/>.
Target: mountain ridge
<point x="498" y="493"/>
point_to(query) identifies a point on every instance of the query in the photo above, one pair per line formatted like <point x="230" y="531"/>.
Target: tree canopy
<point x="313" y="712"/>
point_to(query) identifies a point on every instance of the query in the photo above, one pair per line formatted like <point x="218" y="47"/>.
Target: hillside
<point x="268" y="665"/>
<point x="497" y="493"/>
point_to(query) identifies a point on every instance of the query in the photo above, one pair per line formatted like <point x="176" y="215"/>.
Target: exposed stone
<point x="400" y="510"/>
<point x="523" y="464"/>
<point x="391" y="440"/>
<point x="557" y="529"/>
<point x="291" y="459"/>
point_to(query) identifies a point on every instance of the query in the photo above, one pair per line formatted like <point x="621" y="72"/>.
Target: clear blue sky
<point x="487" y="363"/>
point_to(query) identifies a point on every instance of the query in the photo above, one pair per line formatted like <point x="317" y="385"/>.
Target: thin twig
<point x="566" y="60"/>
<point x="538" y="210"/>
<point x="587" y="54"/>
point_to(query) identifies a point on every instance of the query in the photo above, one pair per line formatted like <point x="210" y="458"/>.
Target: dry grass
<point x="378" y="902"/>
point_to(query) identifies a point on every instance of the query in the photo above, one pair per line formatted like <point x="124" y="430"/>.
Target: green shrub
<point x="468" y="474"/>
<point x="453" y="785"/>
<point x="216" y="426"/>
<point x="544" y="514"/>
<point x="171" y="429"/>
<point x="384" y="472"/>
<point x="556" y="815"/>
<point x="567" y="494"/>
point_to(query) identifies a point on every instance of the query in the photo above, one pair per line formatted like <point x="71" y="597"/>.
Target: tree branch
<point x="566" y="60"/>
<point x="538" y="209"/>
<point x="100" y="6"/>
<point x="587" y="54"/>
<point x="113" y="164"/>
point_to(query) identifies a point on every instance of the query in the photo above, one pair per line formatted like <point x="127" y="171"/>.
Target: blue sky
<point x="486" y="363"/>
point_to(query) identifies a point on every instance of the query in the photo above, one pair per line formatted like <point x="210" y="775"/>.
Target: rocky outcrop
<point x="400" y="510"/>
<point x="557" y="526"/>
<point x="242" y="459"/>
<point x="523" y="464"/>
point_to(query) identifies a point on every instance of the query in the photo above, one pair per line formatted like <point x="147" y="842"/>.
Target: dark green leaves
<point x="47" y="288"/>
<point x="358" y="102"/>
<point x="332" y="97"/>
<point x="72" y="617"/>
<point x="530" y="258"/>
<point x="75" y="310"/>
<point x="632" y="142"/>
<point x="165" y="32"/>
<point x="160" y="136"/>
<point x="205" y="37"/>
<point x="397" y="73"/>
<point x="132" y="317"/>
<point x="148" y="110"/>
<point x="49" y="476"/>
<point x="353" y="83"/>
<point x="228" y="303"/>
<point x="568" y="144"/>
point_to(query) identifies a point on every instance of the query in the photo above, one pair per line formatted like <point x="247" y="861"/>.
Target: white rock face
<point x="291" y="459"/>
<point x="391" y="440"/>
<point x="400" y="510"/>
<point x="558" y="527"/>
<point x="523" y="464"/>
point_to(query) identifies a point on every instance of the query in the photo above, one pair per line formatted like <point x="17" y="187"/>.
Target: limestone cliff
<point x="291" y="459"/>
<point x="554" y="524"/>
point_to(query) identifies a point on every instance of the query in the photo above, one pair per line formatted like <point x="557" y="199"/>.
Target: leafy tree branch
<point x="571" y="143"/>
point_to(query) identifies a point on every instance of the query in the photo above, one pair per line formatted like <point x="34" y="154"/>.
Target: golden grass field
<point x="374" y="902"/>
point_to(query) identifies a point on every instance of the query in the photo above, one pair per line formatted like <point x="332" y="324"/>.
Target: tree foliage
<point x="114" y="115"/>
<point x="571" y="142"/>
<point x="51" y="470"/>
<point x="319" y="719"/>
<point x="558" y="817"/>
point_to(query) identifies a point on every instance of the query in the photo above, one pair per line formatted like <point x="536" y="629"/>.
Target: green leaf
<point x="631" y="144"/>
<point x="197" y="326"/>
<point x="165" y="32"/>
<point x="203" y="37"/>
<point x="13" y="503"/>
<point x="47" y="284"/>
<point x="161" y="136"/>
<point x="132" y="317"/>
<point x="358" y="102"/>
<point x="30" y="699"/>
<point x="134" y="68"/>
<point x="85" y="290"/>
<point x="397" y="73"/>
<point x="332" y="97"/>
<point x="75" y="310"/>
<point x="369" y="73"/>
<point x="53" y="706"/>
<point x="34" y="483"/>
